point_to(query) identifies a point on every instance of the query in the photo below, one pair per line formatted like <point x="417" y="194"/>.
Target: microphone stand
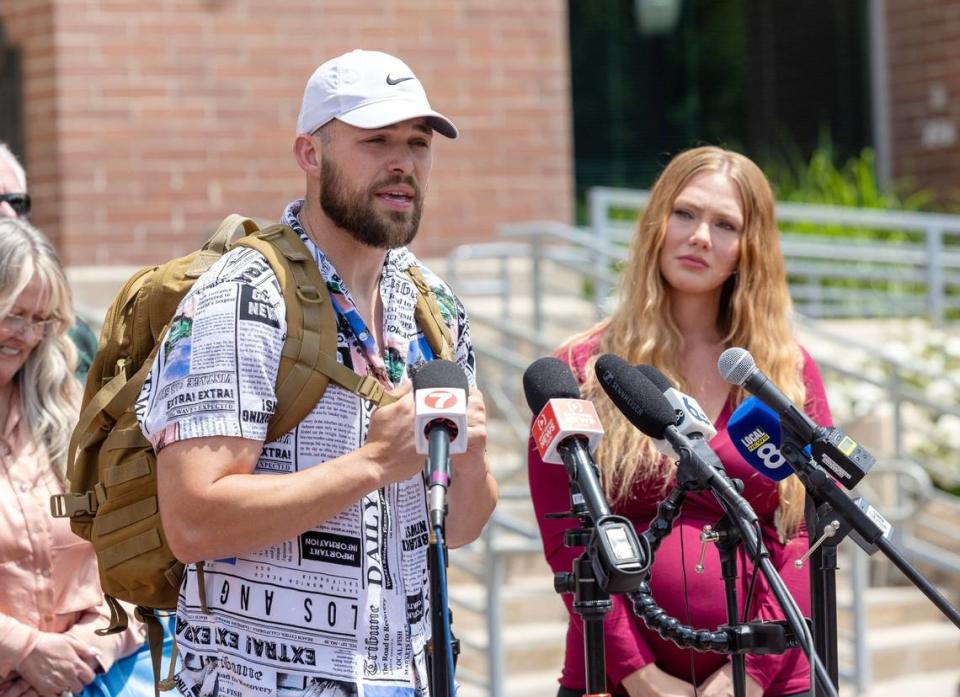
<point x="443" y="648"/>
<point x="695" y="474"/>
<point x="824" y="528"/>
<point x="590" y="600"/>
<point x="833" y="503"/>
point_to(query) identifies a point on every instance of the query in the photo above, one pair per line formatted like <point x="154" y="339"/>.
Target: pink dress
<point x="695" y="599"/>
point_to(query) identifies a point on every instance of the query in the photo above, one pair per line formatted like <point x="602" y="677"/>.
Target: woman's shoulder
<point x="577" y="350"/>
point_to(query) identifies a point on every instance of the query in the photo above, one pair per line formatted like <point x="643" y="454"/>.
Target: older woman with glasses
<point x="50" y="597"/>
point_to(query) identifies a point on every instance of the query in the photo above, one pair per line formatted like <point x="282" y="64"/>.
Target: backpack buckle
<point x="309" y="293"/>
<point x="370" y="389"/>
<point x="70" y="505"/>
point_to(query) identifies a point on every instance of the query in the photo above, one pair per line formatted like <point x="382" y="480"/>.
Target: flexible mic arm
<point x="755" y="637"/>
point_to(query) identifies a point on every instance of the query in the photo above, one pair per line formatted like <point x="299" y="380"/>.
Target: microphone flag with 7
<point x="444" y="404"/>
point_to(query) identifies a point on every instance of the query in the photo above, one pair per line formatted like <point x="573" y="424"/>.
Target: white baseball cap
<point x="367" y="89"/>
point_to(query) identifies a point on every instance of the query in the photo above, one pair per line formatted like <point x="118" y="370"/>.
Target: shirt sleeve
<point x="463" y="347"/>
<point x="215" y="372"/>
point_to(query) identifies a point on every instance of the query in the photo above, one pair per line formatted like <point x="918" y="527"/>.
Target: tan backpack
<point x="111" y="466"/>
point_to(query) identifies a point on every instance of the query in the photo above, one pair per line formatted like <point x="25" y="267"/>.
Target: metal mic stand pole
<point x="590" y="601"/>
<point x="443" y="648"/>
<point x="727" y="541"/>
<point x="815" y="479"/>
<point x="823" y="527"/>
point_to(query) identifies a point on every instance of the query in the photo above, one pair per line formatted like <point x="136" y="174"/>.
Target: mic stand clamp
<point x="590" y="600"/>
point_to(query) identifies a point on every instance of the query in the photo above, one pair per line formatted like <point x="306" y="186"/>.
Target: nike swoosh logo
<point x="397" y="81"/>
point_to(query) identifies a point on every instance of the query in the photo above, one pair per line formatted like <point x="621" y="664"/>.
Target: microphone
<point x="755" y="433"/>
<point x="691" y="419"/>
<point x="440" y="426"/>
<point x="642" y="403"/>
<point x="837" y="451"/>
<point x="566" y="430"/>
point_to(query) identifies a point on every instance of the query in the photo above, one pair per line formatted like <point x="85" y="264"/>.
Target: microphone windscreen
<point x="440" y="373"/>
<point x="635" y="396"/>
<point x="736" y="365"/>
<point x="754" y="430"/>
<point x="548" y="378"/>
<point x="656" y="377"/>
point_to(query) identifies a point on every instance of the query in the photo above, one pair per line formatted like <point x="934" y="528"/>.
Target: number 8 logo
<point x="770" y="455"/>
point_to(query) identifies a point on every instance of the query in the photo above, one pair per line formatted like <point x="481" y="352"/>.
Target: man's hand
<point x="58" y="664"/>
<point x="390" y="438"/>
<point x="650" y="681"/>
<point x="472" y="461"/>
<point x="720" y="684"/>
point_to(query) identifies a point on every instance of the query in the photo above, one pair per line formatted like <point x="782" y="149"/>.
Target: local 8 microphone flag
<point x="560" y="419"/>
<point x="441" y="403"/>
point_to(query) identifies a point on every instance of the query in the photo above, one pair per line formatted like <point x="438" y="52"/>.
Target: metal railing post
<point x="536" y="254"/>
<point x="493" y="583"/>
<point x="600" y="204"/>
<point x="935" y="286"/>
<point x="859" y="580"/>
<point x="896" y="391"/>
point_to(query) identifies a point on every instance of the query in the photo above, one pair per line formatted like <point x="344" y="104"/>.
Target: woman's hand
<point x="18" y="687"/>
<point x="650" y="681"/>
<point x="57" y="664"/>
<point x="720" y="684"/>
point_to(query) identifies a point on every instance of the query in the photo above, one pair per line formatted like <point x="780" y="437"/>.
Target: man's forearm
<point x="471" y="499"/>
<point x="238" y="513"/>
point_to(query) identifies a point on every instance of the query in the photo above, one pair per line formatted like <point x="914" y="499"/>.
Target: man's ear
<point x="306" y="150"/>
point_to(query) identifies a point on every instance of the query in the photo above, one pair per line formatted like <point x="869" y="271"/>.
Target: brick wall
<point x="147" y="122"/>
<point x="924" y="51"/>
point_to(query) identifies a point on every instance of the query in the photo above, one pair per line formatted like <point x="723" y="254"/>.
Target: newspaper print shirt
<point x="342" y="609"/>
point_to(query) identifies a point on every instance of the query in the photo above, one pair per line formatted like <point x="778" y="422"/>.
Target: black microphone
<point x="645" y="406"/>
<point x="566" y="429"/>
<point x="440" y="398"/>
<point x="830" y="446"/>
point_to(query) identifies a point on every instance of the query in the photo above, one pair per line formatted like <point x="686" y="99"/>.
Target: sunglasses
<point x="20" y="203"/>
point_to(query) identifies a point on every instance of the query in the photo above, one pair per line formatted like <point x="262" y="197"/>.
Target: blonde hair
<point x="10" y="160"/>
<point x="49" y="392"/>
<point x="754" y="313"/>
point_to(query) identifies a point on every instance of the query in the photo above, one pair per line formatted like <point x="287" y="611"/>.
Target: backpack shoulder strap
<point x="309" y="359"/>
<point x="429" y="318"/>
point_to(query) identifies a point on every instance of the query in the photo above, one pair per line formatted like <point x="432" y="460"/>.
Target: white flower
<point x="952" y="346"/>
<point x="941" y="390"/>
<point x="897" y="352"/>
<point x="947" y="431"/>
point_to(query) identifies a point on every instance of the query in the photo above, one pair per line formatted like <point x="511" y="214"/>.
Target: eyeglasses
<point x="20" y="203"/>
<point x="14" y="325"/>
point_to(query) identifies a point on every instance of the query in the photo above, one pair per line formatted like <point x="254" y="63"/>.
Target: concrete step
<point x="914" y="649"/>
<point x="523" y="601"/>
<point x="940" y="683"/>
<point x="532" y="684"/>
<point x="890" y="606"/>
<point x="530" y="647"/>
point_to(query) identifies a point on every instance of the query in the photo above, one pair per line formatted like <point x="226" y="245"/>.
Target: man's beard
<point x="354" y="211"/>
